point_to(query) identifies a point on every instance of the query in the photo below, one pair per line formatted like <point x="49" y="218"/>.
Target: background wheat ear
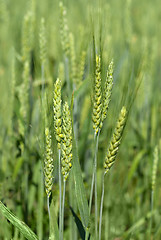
<point x="115" y="141"/>
<point x="64" y="30"/>
<point x="43" y="42"/>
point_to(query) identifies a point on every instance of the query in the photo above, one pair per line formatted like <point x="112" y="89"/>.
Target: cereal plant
<point x="80" y="120"/>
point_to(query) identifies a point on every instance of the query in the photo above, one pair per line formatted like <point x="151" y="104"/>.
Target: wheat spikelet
<point x="67" y="141"/>
<point x="57" y="111"/>
<point x="26" y="37"/>
<point x="116" y="140"/>
<point x="97" y="105"/>
<point x="48" y="164"/>
<point x="61" y="72"/>
<point x="24" y="97"/>
<point x="64" y="32"/>
<point x="42" y="41"/>
<point x="107" y="91"/>
<point x="81" y="67"/>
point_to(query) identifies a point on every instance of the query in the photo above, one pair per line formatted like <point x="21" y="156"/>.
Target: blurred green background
<point x="126" y="31"/>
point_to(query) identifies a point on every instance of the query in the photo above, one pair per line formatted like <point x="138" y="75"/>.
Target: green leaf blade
<point x="79" y="187"/>
<point x="23" y="228"/>
<point x="54" y="232"/>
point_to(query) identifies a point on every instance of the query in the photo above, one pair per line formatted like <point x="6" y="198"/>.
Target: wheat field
<point x="80" y="120"/>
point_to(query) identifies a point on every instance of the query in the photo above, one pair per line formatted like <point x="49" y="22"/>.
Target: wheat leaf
<point x="54" y="232"/>
<point x="23" y="228"/>
<point x="79" y="187"/>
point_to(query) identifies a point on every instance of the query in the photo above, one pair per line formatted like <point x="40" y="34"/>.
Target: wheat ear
<point x="66" y="151"/>
<point x="115" y="141"/>
<point x="97" y="104"/>
<point x="48" y="167"/>
<point x="64" y="31"/>
<point x="58" y="135"/>
<point x="154" y="173"/>
<point x="57" y="112"/>
<point x="107" y="91"/>
<point x="111" y="155"/>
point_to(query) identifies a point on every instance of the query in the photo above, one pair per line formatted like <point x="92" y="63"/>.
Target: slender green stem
<point x="101" y="207"/>
<point x="48" y="207"/>
<point x="95" y="180"/>
<point x="93" y="176"/>
<point x="40" y="203"/>
<point x="73" y="203"/>
<point x="60" y="197"/>
<point x="87" y="234"/>
<point x="91" y="194"/>
<point x="63" y="207"/>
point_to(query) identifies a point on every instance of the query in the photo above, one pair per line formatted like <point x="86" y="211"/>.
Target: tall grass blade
<point x="54" y="232"/>
<point x="79" y="224"/>
<point x="23" y="228"/>
<point x="79" y="187"/>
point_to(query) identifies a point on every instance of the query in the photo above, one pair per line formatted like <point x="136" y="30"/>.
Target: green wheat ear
<point x="64" y="31"/>
<point x="43" y="43"/>
<point x="67" y="141"/>
<point x="57" y="111"/>
<point x="81" y="66"/>
<point x="107" y="91"/>
<point x="24" y="98"/>
<point x="48" y="164"/>
<point x="116" y="140"/>
<point x="97" y="105"/>
<point x="26" y="37"/>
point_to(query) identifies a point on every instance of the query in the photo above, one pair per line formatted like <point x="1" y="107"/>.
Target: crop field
<point x="80" y="120"/>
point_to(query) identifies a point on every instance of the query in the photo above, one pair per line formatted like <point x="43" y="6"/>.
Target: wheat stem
<point x="60" y="197"/>
<point x="101" y="207"/>
<point x="48" y="207"/>
<point x="95" y="179"/>
<point x="91" y="194"/>
<point x="63" y="207"/>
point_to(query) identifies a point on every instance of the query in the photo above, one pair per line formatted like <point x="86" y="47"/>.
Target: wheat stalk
<point x="48" y="164"/>
<point x="97" y="104"/>
<point x="57" y="112"/>
<point x="115" y="141"/>
<point x="107" y="92"/>
<point x="66" y="151"/>
<point x="58" y="135"/>
<point x="111" y="154"/>
<point x="64" y="31"/>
